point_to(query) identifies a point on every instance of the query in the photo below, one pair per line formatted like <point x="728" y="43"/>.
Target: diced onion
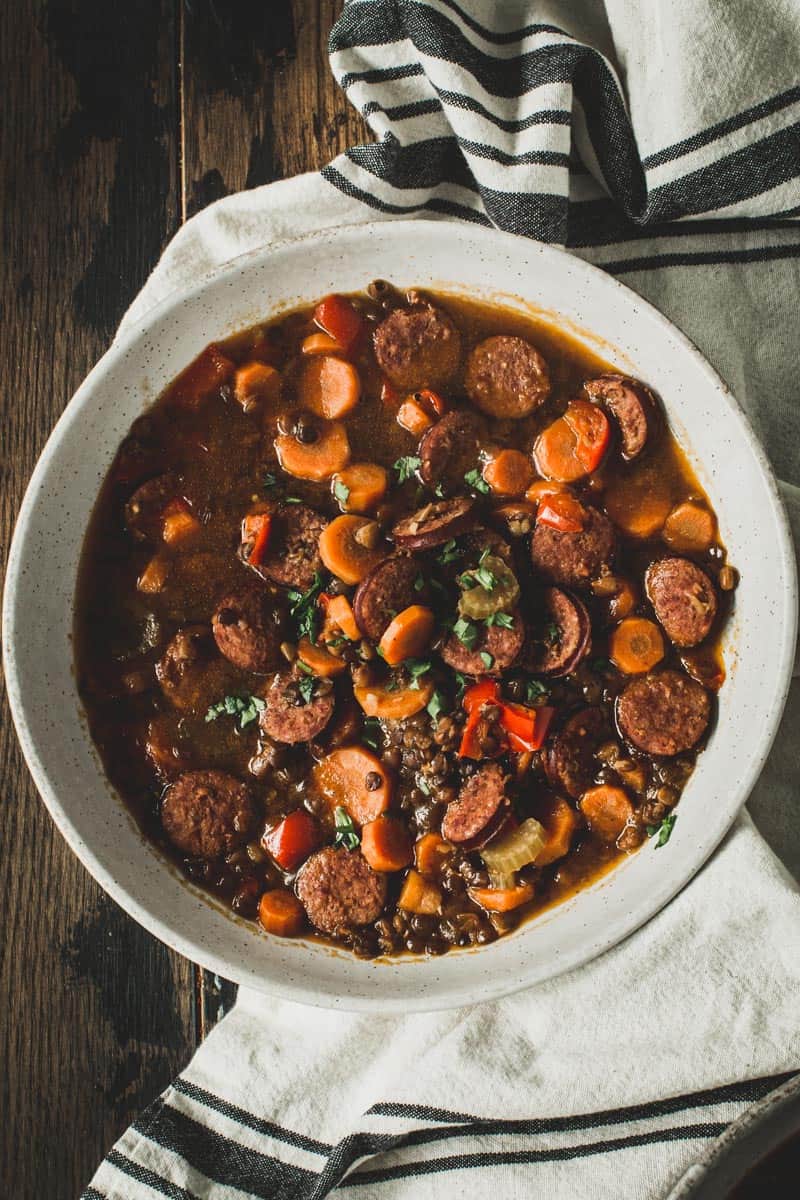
<point x="508" y="854"/>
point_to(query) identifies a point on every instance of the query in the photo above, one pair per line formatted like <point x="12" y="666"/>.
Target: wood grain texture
<point x="96" y="1015"/>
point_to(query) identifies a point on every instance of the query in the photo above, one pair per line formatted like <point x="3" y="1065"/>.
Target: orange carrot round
<point x="339" y="612"/>
<point x="360" y="487"/>
<point x="559" y="821"/>
<point x="690" y="528"/>
<point x="430" y="851"/>
<point x="317" y="460"/>
<point x="281" y="913"/>
<point x="508" y="473"/>
<point x="636" y="645"/>
<point x="355" y="779"/>
<point x="320" y="343"/>
<point x="407" y="635"/>
<point x="419" y="895"/>
<point x="414" y="417"/>
<point x="544" y="487"/>
<point x="386" y="844"/>
<point x="319" y="660"/>
<point x="377" y="700"/>
<point x="328" y="386"/>
<point x="256" y="382"/>
<point x="350" y="547"/>
<point x="624" y="601"/>
<point x="607" y="809"/>
<point x="501" y="899"/>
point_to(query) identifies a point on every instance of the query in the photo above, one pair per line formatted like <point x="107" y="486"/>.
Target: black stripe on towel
<point x="248" y="1119"/>
<point x="381" y="74"/>
<point x="150" y="1178"/>
<point x="448" y="208"/>
<point x="705" y="136"/>
<point x="700" y="258"/>
<point x="91" y="1193"/>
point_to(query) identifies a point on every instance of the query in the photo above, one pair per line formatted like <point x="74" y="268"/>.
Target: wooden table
<point x="121" y="120"/>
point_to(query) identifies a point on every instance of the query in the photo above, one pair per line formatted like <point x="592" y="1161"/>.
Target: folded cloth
<point x="661" y="144"/>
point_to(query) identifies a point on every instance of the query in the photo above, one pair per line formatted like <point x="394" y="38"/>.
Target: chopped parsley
<point x="438" y="491"/>
<point x="246" y="708"/>
<point x="346" y="833"/>
<point x="341" y="491"/>
<point x="292" y="500"/>
<point x="601" y="664"/>
<point x="419" y="584"/>
<point x="663" y="831"/>
<point x="486" y="659"/>
<point x="305" y="687"/>
<point x="450" y="551"/>
<point x="534" y="690"/>
<point x="406" y="466"/>
<point x="423" y="785"/>
<point x="461" y="682"/>
<point x="416" y="668"/>
<point x="503" y="620"/>
<point x="269" y="480"/>
<point x="552" y="634"/>
<point x="370" y="734"/>
<point x="437" y="705"/>
<point x="466" y="632"/>
<point x="475" y="480"/>
<point x="303" y="607"/>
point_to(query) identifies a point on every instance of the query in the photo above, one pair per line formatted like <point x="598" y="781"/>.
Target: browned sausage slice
<point x="417" y="347"/>
<point x="339" y="890"/>
<point x="632" y="405"/>
<point x="507" y="377"/>
<point x="477" y="806"/>
<point x="248" y="628"/>
<point x="451" y="448"/>
<point x="144" y="512"/>
<point x="574" y="559"/>
<point x="292" y="556"/>
<point x="569" y="760"/>
<point x="501" y="648"/>
<point x="683" y="598"/>
<point x="289" y="717"/>
<point x="191" y="672"/>
<point x="435" y="524"/>
<point x="387" y="590"/>
<point x="206" y="814"/>
<point x="664" y="712"/>
<point x="564" y="635"/>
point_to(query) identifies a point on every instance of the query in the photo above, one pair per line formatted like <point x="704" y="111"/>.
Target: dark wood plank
<point x="97" y="1015"/>
<point x="258" y="103"/>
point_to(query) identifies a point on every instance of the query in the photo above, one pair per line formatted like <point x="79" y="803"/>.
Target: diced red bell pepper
<point x="485" y="692"/>
<point x="204" y="377"/>
<point x="592" y="432"/>
<point x="432" y="400"/>
<point x="292" y="840"/>
<point x="561" y="511"/>
<point x="526" y="728"/>
<point x="257" y="526"/>
<point x="389" y="393"/>
<point x="337" y="317"/>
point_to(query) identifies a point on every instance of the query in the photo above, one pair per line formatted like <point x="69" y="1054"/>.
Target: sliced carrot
<point x="636" y="645"/>
<point x="502" y="899"/>
<point x="574" y="444"/>
<point x="337" y="316"/>
<point x="256" y="529"/>
<point x="624" y="600"/>
<point x="377" y="700"/>
<point x="328" y="387"/>
<point x="544" y="487"/>
<point x="179" y="525"/>
<point x="319" y="660"/>
<point x="560" y="822"/>
<point x="632" y="774"/>
<point x="607" y="809"/>
<point x="317" y="460"/>
<point x="350" y="547"/>
<point x="386" y="844"/>
<point x="689" y="528"/>
<point x="508" y="473"/>
<point x="281" y="913"/>
<point x="639" y="501"/>
<point x="430" y="851"/>
<point x="414" y="417"/>
<point x="256" y="382"/>
<point x="154" y="576"/>
<point x="320" y="343"/>
<point x="355" y="779"/>
<point x="419" y="895"/>
<point x="407" y="635"/>
<point x="339" y="611"/>
<point x="203" y="378"/>
<point x="360" y="487"/>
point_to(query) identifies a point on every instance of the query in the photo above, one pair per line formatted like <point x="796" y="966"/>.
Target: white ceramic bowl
<point x="759" y="640"/>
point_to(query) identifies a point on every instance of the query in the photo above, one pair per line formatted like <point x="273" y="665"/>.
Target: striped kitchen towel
<point x="662" y="143"/>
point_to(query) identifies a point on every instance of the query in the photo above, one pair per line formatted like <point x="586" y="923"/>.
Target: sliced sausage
<point x="503" y="647"/>
<point x="631" y="404"/>
<point x="144" y="512"/>
<point x="506" y="377"/>
<point x="248" y="628"/>
<point x="480" y="801"/>
<point x="451" y="448"/>
<point x="339" y="890"/>
<point x="206" y="814"/>
<point x="417" y="347"/>
<point x="569" y="760"/>
<point x="289" y="717"/>
<point x="563" y="637"/>
<point x="574" y="559"/>
<point x="664" y="712"/>
<point x="191" y="672"/>
<point x="683" y="598"/>
<point x="435" y="524"/>
<point x="387" y="590"/>
<point x="292" y="556"/>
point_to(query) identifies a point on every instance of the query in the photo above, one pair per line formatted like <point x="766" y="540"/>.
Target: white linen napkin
<point x="662" y="144"/>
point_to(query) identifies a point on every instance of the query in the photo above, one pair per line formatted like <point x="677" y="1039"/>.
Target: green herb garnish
<point x="292" y="500"/>
<point x="438" y="491"/>
<point x="341" y="491"/>
<point x="303" y="607"/>
<point x="423" y="785"/>
<point x="486" y="659"/>
<point x="269" y="480"/>
<point x="552" y="634"/>
<point x="466" y="632"/>
<point x="475" y="480"/>
<point x="450" y="551"/>
<point x="305" y="686"/>
<point x="664" y="830"/>
<point x="346" y="833"/>
<point x="246" y="708"/>
<point x="419" y="584"/>
<point x="406" y="466"/>
<point x="370" y="734"/>
<point x="461" y="683"/>
<point x="416" y="668"/>
<point x="437" y="705"/>
<point x="534" y="690"/>
<point x="503" y="620"/>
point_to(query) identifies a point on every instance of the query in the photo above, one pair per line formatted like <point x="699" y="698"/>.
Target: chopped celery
<point x="517" y="849"/>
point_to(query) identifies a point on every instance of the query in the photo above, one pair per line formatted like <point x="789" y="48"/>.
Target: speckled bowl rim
<point x="372" y="991"/>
